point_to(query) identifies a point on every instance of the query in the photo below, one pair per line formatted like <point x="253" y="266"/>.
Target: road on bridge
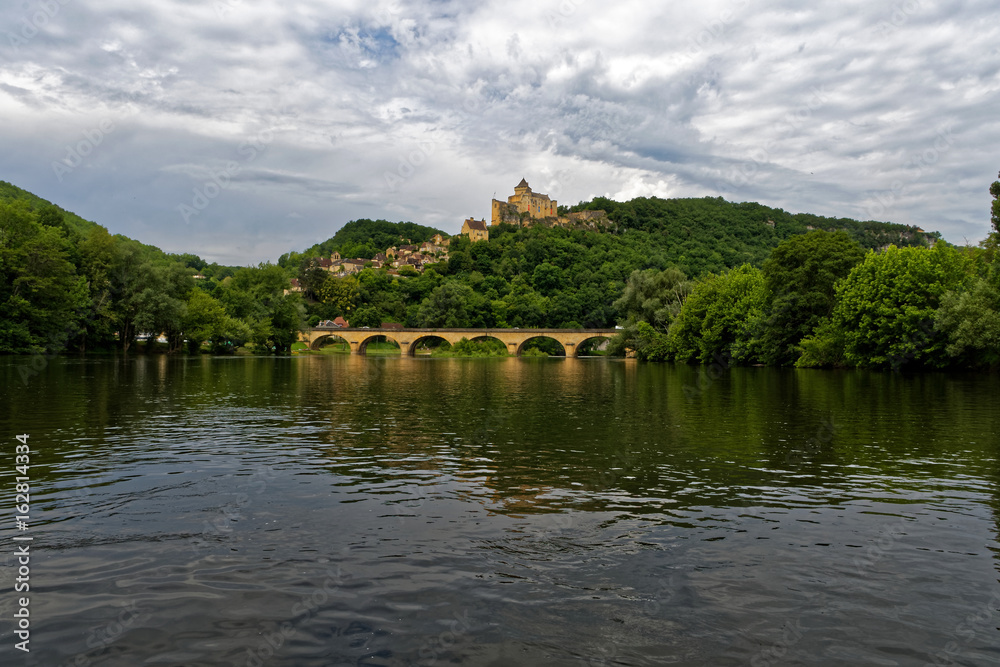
<point x="410" y="339"/>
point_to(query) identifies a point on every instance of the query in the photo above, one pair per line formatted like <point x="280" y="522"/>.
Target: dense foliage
<point x="558" y="277"/>
<point x="820" y="300"/>
<point x="363" y="239"/>
<point x="70" y="285"/>
<point x="690" y="280"/>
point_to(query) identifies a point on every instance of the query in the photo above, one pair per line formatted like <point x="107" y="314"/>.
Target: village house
<point x="476" y="230"/>
<point x="353" y="265"/>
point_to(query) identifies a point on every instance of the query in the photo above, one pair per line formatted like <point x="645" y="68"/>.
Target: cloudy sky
<point x="241" y="129"/>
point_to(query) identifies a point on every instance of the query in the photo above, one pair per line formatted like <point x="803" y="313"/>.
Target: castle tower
<point x="537" y="206"/>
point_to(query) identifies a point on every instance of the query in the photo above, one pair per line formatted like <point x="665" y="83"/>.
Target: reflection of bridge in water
<point x="410" y="339"/>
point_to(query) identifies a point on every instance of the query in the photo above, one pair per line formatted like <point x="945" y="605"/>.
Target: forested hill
<point x="544" y="276"/>
<point x="66" y="283"/>
<point x="9" y="192"/>
<point x="695" y="235"/>
<point x="697" y="226"/>
<point x="364" y="239"/>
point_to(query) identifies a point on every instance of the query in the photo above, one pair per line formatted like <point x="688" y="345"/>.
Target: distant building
<point x="523" y="203"/>
<point x="353" y="265"/>
<point x="476" y="230"/>
<point x="341" y="323"/>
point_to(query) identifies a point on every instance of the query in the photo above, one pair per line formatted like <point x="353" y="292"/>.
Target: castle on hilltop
<point x="525" y="208"/>
<point x="523" y="201"/>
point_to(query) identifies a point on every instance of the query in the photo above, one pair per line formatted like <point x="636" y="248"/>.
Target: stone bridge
<point x="410" y="339"/>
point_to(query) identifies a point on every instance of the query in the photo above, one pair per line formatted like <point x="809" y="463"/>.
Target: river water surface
<point x="336" y="510"/>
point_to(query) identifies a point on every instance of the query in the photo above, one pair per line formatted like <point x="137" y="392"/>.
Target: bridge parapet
<point x="408" y="338"/>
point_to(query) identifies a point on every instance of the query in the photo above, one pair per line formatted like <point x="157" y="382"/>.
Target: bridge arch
<point x="363" y="343"/>
<point x="412" y="348"/>
<point x="318" y="341"/>
<point x="583" y="344"/>
<point x="524" y="343"/>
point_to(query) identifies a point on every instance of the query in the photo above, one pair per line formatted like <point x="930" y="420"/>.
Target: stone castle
<point x="534" y="204"/>
<point x="525" y="208"/>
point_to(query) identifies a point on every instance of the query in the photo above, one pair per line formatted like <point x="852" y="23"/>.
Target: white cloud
<point x="834" y="109"/>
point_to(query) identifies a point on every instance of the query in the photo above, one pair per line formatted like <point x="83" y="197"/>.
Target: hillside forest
<point x="688" y="280"/>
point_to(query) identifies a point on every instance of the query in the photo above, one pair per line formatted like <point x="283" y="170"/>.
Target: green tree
<point x="653" y="296"/>
<point x="716" y="320"/>
<point x="741" y="296"/>
<point x="256" y="296"/>
<point x="995" y="208"/>
<point x="971" y="322"/>
<point x="800" y="276"/>
<point x="342" y="293"/>
<point x="42" y="299"/>
<point x="886" y="308"/>
<point x="97" y="257"/>
<point x="446" y="307"/>
<point x="161" y="303"/>
<point x="205" y="319"/>
<point x="367" y="316"/>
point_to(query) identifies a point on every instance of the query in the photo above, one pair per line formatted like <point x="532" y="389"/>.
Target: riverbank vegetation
<point x="689" y="280"/>
<point x="820" y="300"/>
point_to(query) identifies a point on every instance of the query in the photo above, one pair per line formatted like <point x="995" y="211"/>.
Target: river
<point x="343" y="510"/>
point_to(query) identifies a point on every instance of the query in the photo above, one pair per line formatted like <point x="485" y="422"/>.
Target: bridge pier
<point x="514" y="339"/>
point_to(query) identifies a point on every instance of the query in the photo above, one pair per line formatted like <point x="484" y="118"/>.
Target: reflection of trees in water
<point x="543" y="435"/>
<point x="540" y="435"/>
